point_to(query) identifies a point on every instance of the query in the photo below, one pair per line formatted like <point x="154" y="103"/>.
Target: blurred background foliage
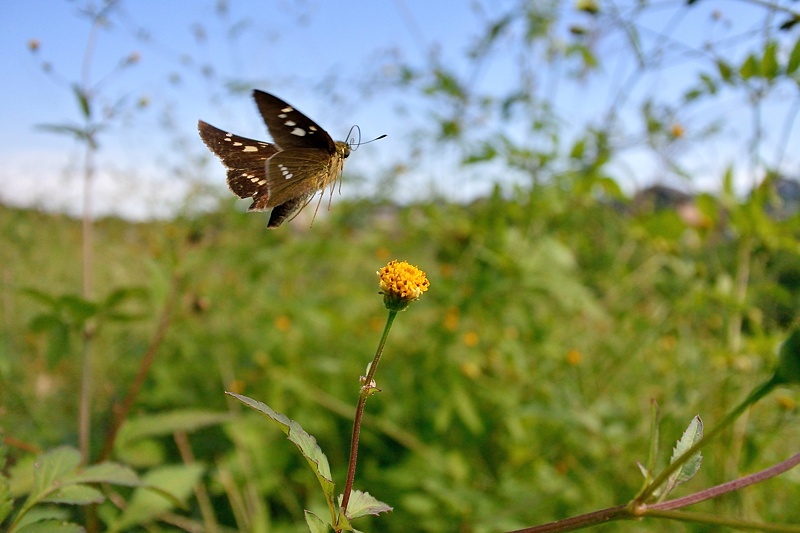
<point x="515" y="392"/>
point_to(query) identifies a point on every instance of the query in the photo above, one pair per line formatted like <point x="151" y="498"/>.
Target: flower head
<point x="401" y="284"/>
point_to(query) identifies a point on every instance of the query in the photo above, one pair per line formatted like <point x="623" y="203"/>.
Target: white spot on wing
<point x="285" y="172"/>
<point x="287" y="109"/>
<point x="300" y="132"/>
<point x="290" y="123"/>
<point x="250" y="149"/>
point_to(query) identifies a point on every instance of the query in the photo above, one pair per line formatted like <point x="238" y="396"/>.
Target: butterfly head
<point x="342" y="149"/>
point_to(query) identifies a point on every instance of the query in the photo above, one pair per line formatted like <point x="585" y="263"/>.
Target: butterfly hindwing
<point x="297" y="171"/>
<point x="289" y="127"/>
<point x="244" y="158"/>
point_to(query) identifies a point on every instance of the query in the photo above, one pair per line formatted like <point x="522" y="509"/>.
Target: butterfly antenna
<point x="351" y="138"/>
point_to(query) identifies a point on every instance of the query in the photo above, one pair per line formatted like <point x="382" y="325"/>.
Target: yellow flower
<point x="401" y="284"/>
<point x="677" y="131"/>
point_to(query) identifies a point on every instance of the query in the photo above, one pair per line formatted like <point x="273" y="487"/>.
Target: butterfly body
<point x="283" y="175"/>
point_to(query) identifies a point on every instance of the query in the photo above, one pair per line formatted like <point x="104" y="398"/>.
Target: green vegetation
<point x="516" y="392"/>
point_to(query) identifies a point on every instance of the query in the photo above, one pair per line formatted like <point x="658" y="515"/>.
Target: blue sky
<point x="291" y="48"/>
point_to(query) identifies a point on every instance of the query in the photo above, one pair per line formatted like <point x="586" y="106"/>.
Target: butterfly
<point x="286" y="174"/>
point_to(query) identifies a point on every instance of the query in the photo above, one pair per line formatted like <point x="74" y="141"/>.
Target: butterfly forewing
<point x="289" y="127"/>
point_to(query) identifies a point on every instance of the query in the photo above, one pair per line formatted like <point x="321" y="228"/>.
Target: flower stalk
<point x="401" y="284"/>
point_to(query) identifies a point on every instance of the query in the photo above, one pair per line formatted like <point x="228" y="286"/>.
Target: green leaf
<point x="769" y="62"/>
<point x="119" y="297"/>
<point x="749" y="68"/>
<point x="448" y="84"/>
<point x="44" y="323"/>
<point x="725" y="71"/>
<point x="48" y="471"/>
<point x="788" y="370"/>
<point x="655" y="426"/>
<point x="692" y="434"/>
<point x="363" y="504"/>
<point x="466" y="410"/>
<point x="6" y="501"/>
<point x="78" y="309"/>
<point x="66" y="129"/>
<point x="51" y="526"/>
<point x="58" y="341"/>
<point x="83" y="100"/>
<point x="51" y="467"/>
<point x="316" y="524"/>
<point x="174" y="484"/>
<point x="75" y="495"/>
<point x="42" y="513"/>
<point x="487" y="152"/>
<point x="111" y="473"/>
<point x="794" y="58"/>
<point x="40" y="296"/>
<point x="297" y="435"/>
<point x="187" y="420"/>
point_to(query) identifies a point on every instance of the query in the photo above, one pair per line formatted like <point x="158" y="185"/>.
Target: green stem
<point x="366" y="390"/>
<point x="758" y="393"/>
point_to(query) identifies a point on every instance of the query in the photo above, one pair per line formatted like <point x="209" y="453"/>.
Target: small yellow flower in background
<point x="237" y="386"/>
<point x="401" y="284"/>
<point x="283" y="323"/>
<point x="471" y="339"/>
<point x="677" y="131"/>
<point x="451" y="319"/>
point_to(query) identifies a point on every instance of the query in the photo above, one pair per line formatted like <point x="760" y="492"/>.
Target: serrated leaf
<point x="363" y="504"/>
<point x="316" y="524"/>
<point x="298" y="436"/>
<point x="75" y="495"/>
<point x="692" y="434"/>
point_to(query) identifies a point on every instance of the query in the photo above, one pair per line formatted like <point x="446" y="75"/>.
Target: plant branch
<point x="366" y="390"/>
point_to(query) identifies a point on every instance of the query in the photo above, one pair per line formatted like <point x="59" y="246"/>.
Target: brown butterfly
<point x="284" y="175"/>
